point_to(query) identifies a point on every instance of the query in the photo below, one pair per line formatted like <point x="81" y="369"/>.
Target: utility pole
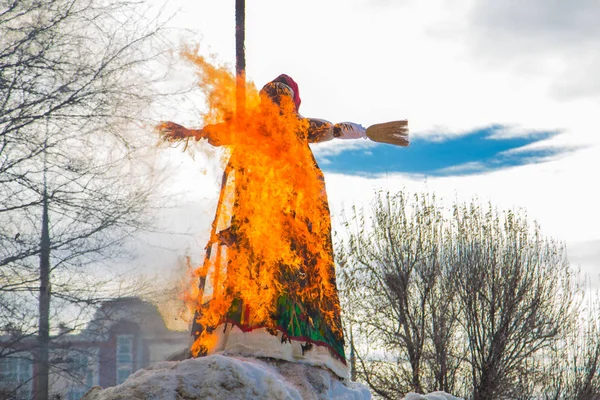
<point x="352" y="358"/>
<point x="44" y="298"/>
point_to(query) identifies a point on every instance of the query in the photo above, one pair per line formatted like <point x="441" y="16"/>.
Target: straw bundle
<point x="394" y="132"/>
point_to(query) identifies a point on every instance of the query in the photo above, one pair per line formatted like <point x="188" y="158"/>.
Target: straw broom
<point x="393" y="132"/>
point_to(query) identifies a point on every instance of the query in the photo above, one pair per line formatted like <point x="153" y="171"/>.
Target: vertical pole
<point x="240" y="106"/>
<point x="240" y="56"/>
<point x="44" y="299"/>
<point x="352" y="358"/>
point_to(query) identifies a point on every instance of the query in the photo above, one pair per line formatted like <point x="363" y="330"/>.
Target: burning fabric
<point x="268" y="268"/>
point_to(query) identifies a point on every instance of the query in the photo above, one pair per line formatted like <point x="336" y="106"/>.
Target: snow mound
<point x="431" y="396"/>
<point x="224" y="377"/>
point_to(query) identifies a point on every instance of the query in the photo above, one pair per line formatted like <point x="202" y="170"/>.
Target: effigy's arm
<point x="393" y="132"/>
<point x="320" y="130"/>
<point x="216" y="134"/>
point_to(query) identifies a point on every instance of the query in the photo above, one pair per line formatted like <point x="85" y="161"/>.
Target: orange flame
<point x="272" y="232"/>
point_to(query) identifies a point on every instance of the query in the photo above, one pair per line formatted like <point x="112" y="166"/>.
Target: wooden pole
<point x="240" y="56"/>
<point x="240" y="105"/>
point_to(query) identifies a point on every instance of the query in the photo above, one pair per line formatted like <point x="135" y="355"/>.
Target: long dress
<point x="267" y="285"/>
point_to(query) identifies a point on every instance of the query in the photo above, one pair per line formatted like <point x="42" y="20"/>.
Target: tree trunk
<point x="487" y="387"/>
<point x="414" y="357"/>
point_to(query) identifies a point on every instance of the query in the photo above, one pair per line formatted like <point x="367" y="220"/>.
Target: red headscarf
<point x="283" y="78"/>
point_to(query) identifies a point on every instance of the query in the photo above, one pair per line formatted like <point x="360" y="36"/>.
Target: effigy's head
<point x="281" y="91"/>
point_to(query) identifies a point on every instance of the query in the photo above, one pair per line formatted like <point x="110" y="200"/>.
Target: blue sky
<point x="473" y="152"/>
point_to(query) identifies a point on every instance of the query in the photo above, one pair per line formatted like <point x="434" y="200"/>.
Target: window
<point x="81" y="371"/>
<point x="16" y="374"/>
<point x="124" y="357"/>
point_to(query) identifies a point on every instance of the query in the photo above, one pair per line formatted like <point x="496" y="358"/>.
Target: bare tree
<point x="73" y="187"/>
<point x="585" y="364"/>
<point x="465" y="301"/>
<point x="444" y="355"/>
<point x="571" y="367"/>
<point x="392" y="270"/>
<point x="516" y="294"/>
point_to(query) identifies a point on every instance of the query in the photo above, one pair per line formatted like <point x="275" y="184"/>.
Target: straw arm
<point x="216" y="134"/>
<point x="172" y="132"/>
<point x="393" y="132"/>
<point x="320" y="130"/>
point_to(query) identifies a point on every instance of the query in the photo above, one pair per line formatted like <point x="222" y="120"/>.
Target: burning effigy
<point x="267" y="286"/>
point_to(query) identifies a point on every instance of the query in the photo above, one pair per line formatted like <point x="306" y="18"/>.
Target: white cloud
<point x="335" y="147"/>
<point x="474" y="166"/>
<point x="554" y="38"/>
<point x="538" y="25"/>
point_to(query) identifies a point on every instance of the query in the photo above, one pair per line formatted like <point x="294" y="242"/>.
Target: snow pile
<point x="224" y="377"/>
<point x="431" y="396"/>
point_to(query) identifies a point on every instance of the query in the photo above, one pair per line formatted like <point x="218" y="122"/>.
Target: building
<point x="124" y="336"/>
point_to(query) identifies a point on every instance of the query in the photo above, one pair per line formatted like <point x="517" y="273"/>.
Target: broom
<point x="394" y="132"/>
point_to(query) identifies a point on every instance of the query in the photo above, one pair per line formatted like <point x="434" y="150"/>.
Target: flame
<point x="271" y="237"/>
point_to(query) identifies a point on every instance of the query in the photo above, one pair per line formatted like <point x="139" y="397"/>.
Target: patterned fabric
<point x="270" y="261"/>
